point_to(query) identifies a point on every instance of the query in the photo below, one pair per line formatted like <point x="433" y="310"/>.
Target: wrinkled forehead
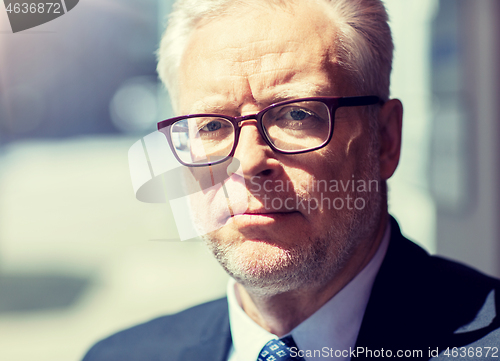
<point x="273" y="44"/>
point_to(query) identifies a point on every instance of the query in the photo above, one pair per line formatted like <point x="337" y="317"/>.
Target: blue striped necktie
<point x="279" y="350"/>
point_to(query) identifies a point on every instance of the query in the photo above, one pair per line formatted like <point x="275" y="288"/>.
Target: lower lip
<point x="250" y="219"/>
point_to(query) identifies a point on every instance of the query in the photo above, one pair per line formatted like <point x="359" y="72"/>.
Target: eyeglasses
<point x="289" y="127"/>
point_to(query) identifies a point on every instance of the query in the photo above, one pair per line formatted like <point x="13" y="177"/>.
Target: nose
<point x="255" y="156"/>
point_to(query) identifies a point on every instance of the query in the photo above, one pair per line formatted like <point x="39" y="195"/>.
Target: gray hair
<point x="364" y="41"/>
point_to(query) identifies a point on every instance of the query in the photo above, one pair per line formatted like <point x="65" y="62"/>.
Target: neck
<point x="281" y="313"/>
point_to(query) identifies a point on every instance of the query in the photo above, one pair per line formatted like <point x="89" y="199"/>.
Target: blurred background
<point x="81" y="258"/>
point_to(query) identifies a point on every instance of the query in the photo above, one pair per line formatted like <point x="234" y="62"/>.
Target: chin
<point x="268" y="269"/>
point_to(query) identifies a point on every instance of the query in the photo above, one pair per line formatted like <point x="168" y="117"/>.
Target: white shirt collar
<point x="335" y="326"/>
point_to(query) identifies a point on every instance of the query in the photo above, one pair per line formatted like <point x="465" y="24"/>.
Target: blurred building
<point x="464" y="168"/>
<point x="57" y="80"/>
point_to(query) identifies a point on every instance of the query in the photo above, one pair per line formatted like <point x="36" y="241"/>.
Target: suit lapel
<point x="214" y="340"/>
<point x="393" y="305"/>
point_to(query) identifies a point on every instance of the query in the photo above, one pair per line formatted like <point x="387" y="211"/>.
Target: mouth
<point x="261" y="217"/>
<point x="263" y="211"/>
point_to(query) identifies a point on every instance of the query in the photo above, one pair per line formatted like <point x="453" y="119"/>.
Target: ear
<point x="390" y="124"/>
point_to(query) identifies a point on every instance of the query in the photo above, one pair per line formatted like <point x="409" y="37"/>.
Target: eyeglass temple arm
<point x="358" y="101"/>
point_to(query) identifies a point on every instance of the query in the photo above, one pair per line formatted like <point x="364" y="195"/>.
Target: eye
<point x="293" y="117"/>
<point x="212" y="126"/>
<point x="298" y="114"/>
<point x="293" y="114"/>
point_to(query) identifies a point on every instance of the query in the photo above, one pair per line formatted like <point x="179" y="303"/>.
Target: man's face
<point x="302" y="217"/>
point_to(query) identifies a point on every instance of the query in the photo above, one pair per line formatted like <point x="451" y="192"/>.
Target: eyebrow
<point x="306" y="91"/>
<point x="208" y="106"/>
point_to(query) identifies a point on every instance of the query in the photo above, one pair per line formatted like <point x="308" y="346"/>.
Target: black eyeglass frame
<point x="332" y="103"/>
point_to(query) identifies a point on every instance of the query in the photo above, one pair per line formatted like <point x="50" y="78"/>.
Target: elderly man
<point x="297" y="92"/>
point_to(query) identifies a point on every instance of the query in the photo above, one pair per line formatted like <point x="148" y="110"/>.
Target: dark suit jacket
<point x="418" y="302"/>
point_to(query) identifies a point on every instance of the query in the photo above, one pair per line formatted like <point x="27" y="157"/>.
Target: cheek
<point x="210" y="208"/>
<point x="325" y="173"/>
<point x="348" y="149"/>
<point x="347" y="133"/>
